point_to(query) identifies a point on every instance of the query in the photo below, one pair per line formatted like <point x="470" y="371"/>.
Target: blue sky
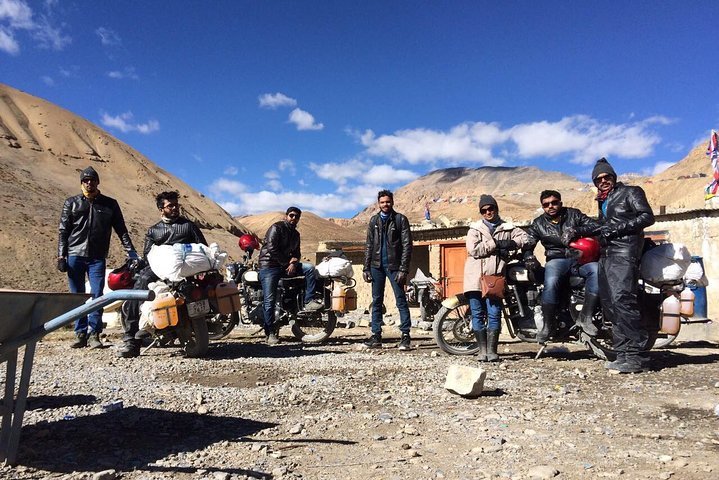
<point x="263" y="104"/>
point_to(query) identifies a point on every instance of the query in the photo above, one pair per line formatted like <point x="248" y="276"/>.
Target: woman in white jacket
<point x="484" y="244"/>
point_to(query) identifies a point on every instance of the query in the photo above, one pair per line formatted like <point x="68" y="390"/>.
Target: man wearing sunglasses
<point x="555" y="228"/>
<point x="86" y="225"/>
<point x="280" y="257"/>
<point x="624" y="213"/>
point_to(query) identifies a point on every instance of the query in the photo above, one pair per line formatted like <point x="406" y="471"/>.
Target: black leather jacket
<point x="398" y="238"/>
<point x="181" y="230"/>
<point x="549" y="233"/>
<point x="86" y="226"/>
<point x="628" y="210"/>
<point x="282" y="243"/>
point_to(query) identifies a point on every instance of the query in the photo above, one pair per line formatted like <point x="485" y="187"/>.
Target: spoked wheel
<point x="220" y="325"/>
<point x="314" y="328"/>
<point x="452" y="330"/>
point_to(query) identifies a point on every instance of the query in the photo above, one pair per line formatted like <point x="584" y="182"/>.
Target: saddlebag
<point x="227" y="298"/>
<point x="163" y="311"/>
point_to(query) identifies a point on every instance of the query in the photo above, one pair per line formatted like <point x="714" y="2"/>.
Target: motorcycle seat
<point x="292" y="282"/>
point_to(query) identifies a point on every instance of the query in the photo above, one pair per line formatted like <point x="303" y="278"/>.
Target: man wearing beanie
<point x="86" y="224"/>
<point x="280" y="257"/>
<point x="624" y="213"/>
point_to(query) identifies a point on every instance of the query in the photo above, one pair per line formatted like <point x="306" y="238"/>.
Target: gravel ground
<point x="339" y="411"/>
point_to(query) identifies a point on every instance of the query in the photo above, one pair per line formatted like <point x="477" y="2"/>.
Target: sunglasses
<point x="551" y="203"/>
<point x="293" y="215"/>
<point x="170" y="206"/>
<point x="486" y="209"/>
<point x="603" y="178"/>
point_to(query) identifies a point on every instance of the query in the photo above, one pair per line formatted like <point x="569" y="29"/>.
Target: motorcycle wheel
<point x="199" y="341"/>
<point x="598" y="347"/>
<point x="315" y="329"/>
<point x="220" y="325"/>
<point x="452" y="330"/>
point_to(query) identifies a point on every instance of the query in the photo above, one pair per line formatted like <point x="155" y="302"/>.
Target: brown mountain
<point x="42" y="150"/>
<point x="313" y="230"/>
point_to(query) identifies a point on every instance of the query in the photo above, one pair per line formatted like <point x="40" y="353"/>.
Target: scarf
<point x="89" y="195"/>
<point x="492" y="225"/>
<point x="168" y="220"/>
<point x="601" y="196"/>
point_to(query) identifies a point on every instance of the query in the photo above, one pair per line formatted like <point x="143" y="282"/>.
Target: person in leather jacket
<point x="624" y="213"/>
<point x="555" y="229"/>
<point x="86" y="224"/>
<point x="280" y="257"/>
<point x="388" y="251"/>
<point x="171" y="229"/>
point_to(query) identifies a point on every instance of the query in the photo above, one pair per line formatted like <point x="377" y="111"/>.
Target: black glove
<point x="62" y="264"/>
<point x="608" y="232"/>
<point x="506" y="244"/>
<point x="367" y="276"/>
<point x="400" y="278"/>
<point x="568" y="234"/>
<point x="531" y="262"/>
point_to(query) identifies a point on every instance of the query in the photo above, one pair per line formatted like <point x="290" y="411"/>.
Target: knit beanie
<point x="603" y="167"/>
<point x="293" y="209"/>
<point x="89" y="172"/>
<point x="485" y="200"/>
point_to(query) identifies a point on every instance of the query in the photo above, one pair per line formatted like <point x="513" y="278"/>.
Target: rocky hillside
<point x="42" y="149"/>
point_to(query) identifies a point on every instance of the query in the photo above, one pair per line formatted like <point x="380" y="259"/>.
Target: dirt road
<point x="338" y="411"/>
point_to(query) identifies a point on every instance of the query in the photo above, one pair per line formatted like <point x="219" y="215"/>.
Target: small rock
<point x="434" y="354"/>
<point x="297" y="428"/>
<point x="105" y="475"/>
<point x="279" y="471"/>
<point x="665" y="475"/>
<point x="405" y="446"/>
<point x="199" y="399"/>
<point x="348" y="406"/>
<point x="492" y="448"/>
<point x="543" y="472"/>
<point x="221" y="476"/>
<point x="465" y="381"/>
<point x="679" y="463"/>
<point x="202" y="409"/>
<point x="385" y="417"/>
<point x="412" y="453"/>
<point x="665" y="458"/>
<point x="410" y="430"/>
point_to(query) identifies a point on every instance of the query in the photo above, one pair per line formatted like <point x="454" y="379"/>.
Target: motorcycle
<point x="307" y="327"/>
<point x="522" y="313"/>
<point x="424" y="292"/>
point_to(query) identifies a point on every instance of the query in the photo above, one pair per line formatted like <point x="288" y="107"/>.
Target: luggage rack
<point x="25" y="318"/>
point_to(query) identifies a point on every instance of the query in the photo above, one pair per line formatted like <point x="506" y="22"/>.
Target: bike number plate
<point x="198" y="309"/>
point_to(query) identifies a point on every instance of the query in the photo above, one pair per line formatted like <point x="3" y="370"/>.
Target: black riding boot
<point x="492" y="342"/>
<point x="549" y="312"/>
<point x="584" y="321"/>
<point x="481" y="338"/>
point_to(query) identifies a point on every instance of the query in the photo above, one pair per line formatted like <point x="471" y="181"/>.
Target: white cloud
<point x="340" y="172"/>
<point x="274" y="185"/>
<point x="16" y="15"/>
<point x="304" y="120"/>
<point x="271" y="174"/>
<point x="274" y="100"/>
<point x="108" y="37"/>
<point x="227" y="186"/>
<point x="387" y="175"/>
<point x="580" y="138"/>
<point x="123" y="122"/>
<point x="658" y="168"/>
<point x="47" y="80"/>
<point x="287" y="165"/>
<point x="8" y="43"/>
<point x="198" y="158"/>
<point x="127" y="72"/>
<point x="231" y="171"/>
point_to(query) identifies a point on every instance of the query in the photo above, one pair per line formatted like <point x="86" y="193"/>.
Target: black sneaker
<point x="313" y="306"/>
<point x="130" y="349"/>
<point x="272" y="339"/>
<point x="404" y="343"/>
<point x="93" y="341"/>
<point x="80" y="341"/>
<point x="375" y="341"/>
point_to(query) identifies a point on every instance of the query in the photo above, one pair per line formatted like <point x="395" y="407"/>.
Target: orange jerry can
<point x="227" y="297"/>
<point x="164" y="311"/>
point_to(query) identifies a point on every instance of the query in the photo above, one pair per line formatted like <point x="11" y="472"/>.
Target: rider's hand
<point x="62" y="264"/>
<point x="531" y="262"/>
<point x="506" y="245"/>
<point x="400" y="278"/>
<point x="609" y="232"/>
<point x="568" y="235"/>
<point x="291" y="269"/>
<point x="367" y="276"/>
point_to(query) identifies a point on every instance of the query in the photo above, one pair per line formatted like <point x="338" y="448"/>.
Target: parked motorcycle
<point x="180" y="312"/>
<point x="522" y="312"/>
<point x="424" y="292"/>
<point x="307" y="327"/>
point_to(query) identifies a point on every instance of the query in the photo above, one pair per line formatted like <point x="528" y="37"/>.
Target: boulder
<point x="465" y="381"/>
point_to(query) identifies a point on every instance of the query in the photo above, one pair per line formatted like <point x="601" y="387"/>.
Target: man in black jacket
<point x="624" y="213"/>
<point x="388" y="251"/>
<point x="171" y="229"/>
<point x="280" y="257"/>
<point x="556" y="228"/>
<point x="86" y="225"/>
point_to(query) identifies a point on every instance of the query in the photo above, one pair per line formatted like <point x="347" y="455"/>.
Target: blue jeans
<point x="479" y="307"/>
<point x="379" y="276"/>
<point x="558" y="268"/>
<point x="94" y="268"/>
<point x="270" y="278"/>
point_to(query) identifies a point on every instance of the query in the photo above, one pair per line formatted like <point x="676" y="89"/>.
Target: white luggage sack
<point x="335" y="267"/>
<point x="665" y="263"/>
<point x="174" y="262"/>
